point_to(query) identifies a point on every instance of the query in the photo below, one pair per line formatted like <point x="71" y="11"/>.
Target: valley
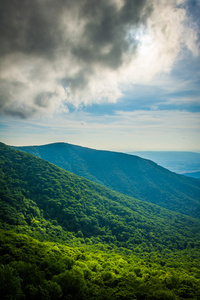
<point x="127" y="174"/>
<point x="58" y="227"/>
<point x="185" y="163"/>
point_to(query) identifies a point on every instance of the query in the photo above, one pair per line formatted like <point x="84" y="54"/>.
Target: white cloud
<point x="83" y="56"/>
<point x="183" y="101"/>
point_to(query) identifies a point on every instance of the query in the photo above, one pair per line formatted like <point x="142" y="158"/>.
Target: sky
<point x="120" y="75"/>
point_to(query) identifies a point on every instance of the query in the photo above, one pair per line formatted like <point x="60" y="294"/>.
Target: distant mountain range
<point x="185" y="163"/>
<point x="127" y="174"/>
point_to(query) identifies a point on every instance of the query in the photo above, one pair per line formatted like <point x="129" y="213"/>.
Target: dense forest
<point x="127" y="174"/>
<point x="31" y="269"/>
<point x="65" y="237"/>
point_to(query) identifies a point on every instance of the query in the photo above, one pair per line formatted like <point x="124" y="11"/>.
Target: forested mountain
<point x="31" y="269"/>
<point x="32" y="188"/>
<point x="64" y="237"/>
<point x="127" y="174"/>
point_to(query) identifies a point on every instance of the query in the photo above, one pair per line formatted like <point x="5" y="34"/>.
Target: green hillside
<point x="127" y="174"/>
<point x="32" y="189"/>
<point x="64" y="237"/>
<point x="31" y="269"/>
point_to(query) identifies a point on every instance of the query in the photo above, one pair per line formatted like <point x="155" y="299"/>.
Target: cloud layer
<point x="55" y="53"/>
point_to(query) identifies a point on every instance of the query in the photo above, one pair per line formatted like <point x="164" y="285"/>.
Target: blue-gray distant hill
<point x="193" y="174"/>
<point x="127" y="174"/>
<point x="185" y="163"/>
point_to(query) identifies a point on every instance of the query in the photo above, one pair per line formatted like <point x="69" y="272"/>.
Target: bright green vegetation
<point x="127" y="174"/>
<point x="30" y="269"/>
<point x="33" y="190"/>
<point x="64" y="237"/>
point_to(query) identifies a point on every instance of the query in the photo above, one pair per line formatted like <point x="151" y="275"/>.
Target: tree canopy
<point x="65" y="237"/>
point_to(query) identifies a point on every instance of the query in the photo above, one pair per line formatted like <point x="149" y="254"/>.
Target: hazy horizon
<point x="104" y="149"/>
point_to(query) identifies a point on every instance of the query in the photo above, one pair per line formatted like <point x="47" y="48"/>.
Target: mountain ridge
<point x="125" y="173"/>
<point x="30" y="184"/>
<point x="65" y="237"/>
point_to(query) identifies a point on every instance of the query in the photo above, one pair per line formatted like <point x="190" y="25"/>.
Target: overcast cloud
<point x="55" y="53"/>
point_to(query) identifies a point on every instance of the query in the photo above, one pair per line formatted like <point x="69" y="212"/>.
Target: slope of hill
<point x="31" y="269"/>
<point x="117" y="247"/>
<point x="33" y="189"/>
<point x="127" y="174"/>
<point x="185" y="163"/>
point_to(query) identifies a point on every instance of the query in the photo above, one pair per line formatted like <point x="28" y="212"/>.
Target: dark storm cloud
<point x="108" y="26"/>
<point x="51" y="49"/>
<point x="35" y="27"/>
<point x="28" y="27"/>
<point x="39" y="29"/>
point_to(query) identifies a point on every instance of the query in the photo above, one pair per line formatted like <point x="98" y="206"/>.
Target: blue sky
<point x="121" y="76"/>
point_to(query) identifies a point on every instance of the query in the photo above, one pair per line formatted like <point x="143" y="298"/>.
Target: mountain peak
<point x="127" y="174"/>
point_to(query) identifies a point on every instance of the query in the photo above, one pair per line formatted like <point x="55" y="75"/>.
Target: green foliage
<point x="55" y="271"/>
<point x="127" y="174"/>
<point x="105" y="245"/>
<point x="10" y="283"/>
<point x="47" y="201"/>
